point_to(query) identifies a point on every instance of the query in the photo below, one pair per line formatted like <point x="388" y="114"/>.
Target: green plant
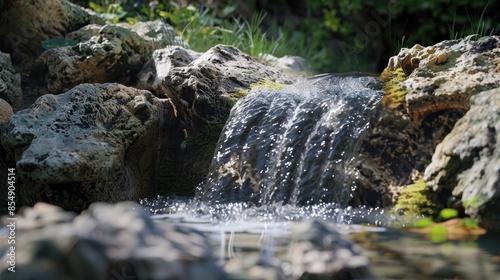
<point x="109" y="11"/>
<point x="477" y="26"/>
<point x="448" y="213"/>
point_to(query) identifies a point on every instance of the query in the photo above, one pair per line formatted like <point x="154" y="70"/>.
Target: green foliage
<point x="334" y="36"/>
<point x="448" y="213"/>
<point x="438" y="234"/>
<point x="418" y="199"/>
<point x="423" y="223"/>
<point x="470" y="223"/>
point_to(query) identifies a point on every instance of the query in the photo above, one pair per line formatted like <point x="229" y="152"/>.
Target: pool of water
<point x="238" y="232"/>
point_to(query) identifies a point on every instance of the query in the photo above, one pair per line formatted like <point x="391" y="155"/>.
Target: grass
<point x="479" y="27"/>
<point x="202" y="30"/>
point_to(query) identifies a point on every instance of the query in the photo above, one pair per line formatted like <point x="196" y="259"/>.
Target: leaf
<point x="423" y="223"/>
<point x="448" y="213"/>
<point x="470" y="223"/>
<point x="438" y="234"/>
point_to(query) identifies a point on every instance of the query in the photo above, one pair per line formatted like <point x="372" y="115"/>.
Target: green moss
<point x="418" y="199"/>
<point x="262" y="84"/>
<point x="394" y="96"/>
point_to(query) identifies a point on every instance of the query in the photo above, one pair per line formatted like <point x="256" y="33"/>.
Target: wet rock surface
<point x="319" y="251"/>
<point x="203" y="93"/>
<point x="92" y="143"/>
<point x="107" y="242"/>
<point x="467" y="162"/>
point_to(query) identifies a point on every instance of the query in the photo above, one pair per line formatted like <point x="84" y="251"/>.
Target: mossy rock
<point x="263" y="84"/>
<point x="418" y="199"/>
<point x="395" y="95"/>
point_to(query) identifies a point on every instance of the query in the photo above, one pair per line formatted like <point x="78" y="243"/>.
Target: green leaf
<point x="448" y="213"/>
<point x="470" y="223"/>
<point x="438" y="234"/>
<point x="423" y="223"/>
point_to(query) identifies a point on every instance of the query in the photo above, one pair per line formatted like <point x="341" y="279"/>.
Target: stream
<point x="286" y="156"/>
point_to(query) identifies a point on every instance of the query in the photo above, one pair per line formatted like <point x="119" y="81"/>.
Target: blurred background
<point x="334" y="36"/>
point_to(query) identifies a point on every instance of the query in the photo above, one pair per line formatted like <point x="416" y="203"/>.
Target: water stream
<point x="287" y="156"/>
<point x="295" y="145"/>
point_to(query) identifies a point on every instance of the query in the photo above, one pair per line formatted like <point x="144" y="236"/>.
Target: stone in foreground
<point x="107" y="242"/>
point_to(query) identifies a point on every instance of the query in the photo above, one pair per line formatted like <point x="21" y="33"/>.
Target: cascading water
<point x="296" y="145"/>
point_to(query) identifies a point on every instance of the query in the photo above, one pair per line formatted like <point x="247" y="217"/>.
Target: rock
<point x="164" y="60"/>
<point x="5" y="111"/>
<point x="92" y="143"/>
<point x="107" y="242"/>
<point x="256" y="266"/>
<point x="205" y="90"/>
<point x="319" y="251"/>
<point x="25" y="23"/>
<point x="467" y="162"/>
<point x="432" y="74"/>
<point x="10" y="81"/>
<point x="203" y="93"/>
<point x="289" y="63"/>
<point x="427" y="91"/>
<point x="116" y="54"/>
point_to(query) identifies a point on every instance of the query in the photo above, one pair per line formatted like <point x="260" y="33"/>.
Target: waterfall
<point x="296" y="145"/>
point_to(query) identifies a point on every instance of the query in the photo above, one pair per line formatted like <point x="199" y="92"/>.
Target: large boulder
<point x="92" y="143"/>
<point x="427" y="91"/>
<point x="446" y="75"/>
<point x="467" y="162"/>
<point x="116" y="54"/>
<point x="106" y="242"/>
<point x="203" y="93"/>
<point x="24" y="24"/>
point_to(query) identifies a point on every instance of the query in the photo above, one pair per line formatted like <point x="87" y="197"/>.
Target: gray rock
<point x="205" y="90"/>
<point x="433" y="73"/>
<point x="5" y="111"/>
<point x="25" y="23"/>
<point x="92" y="143"/>
<point x="107" y="242"/>
<point x="203" y="93"/>
<point x="467" y="162"/>
<point x="427" y="92"/>
<point x="10" y="81"/>
<point x="164" y="60"/>
<point x="289" y="63"/>
<point x="319" y="251"/>
<point x="116" y="54"/>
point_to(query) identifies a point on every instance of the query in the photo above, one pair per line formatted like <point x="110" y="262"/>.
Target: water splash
<point x="293" y="146"/>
